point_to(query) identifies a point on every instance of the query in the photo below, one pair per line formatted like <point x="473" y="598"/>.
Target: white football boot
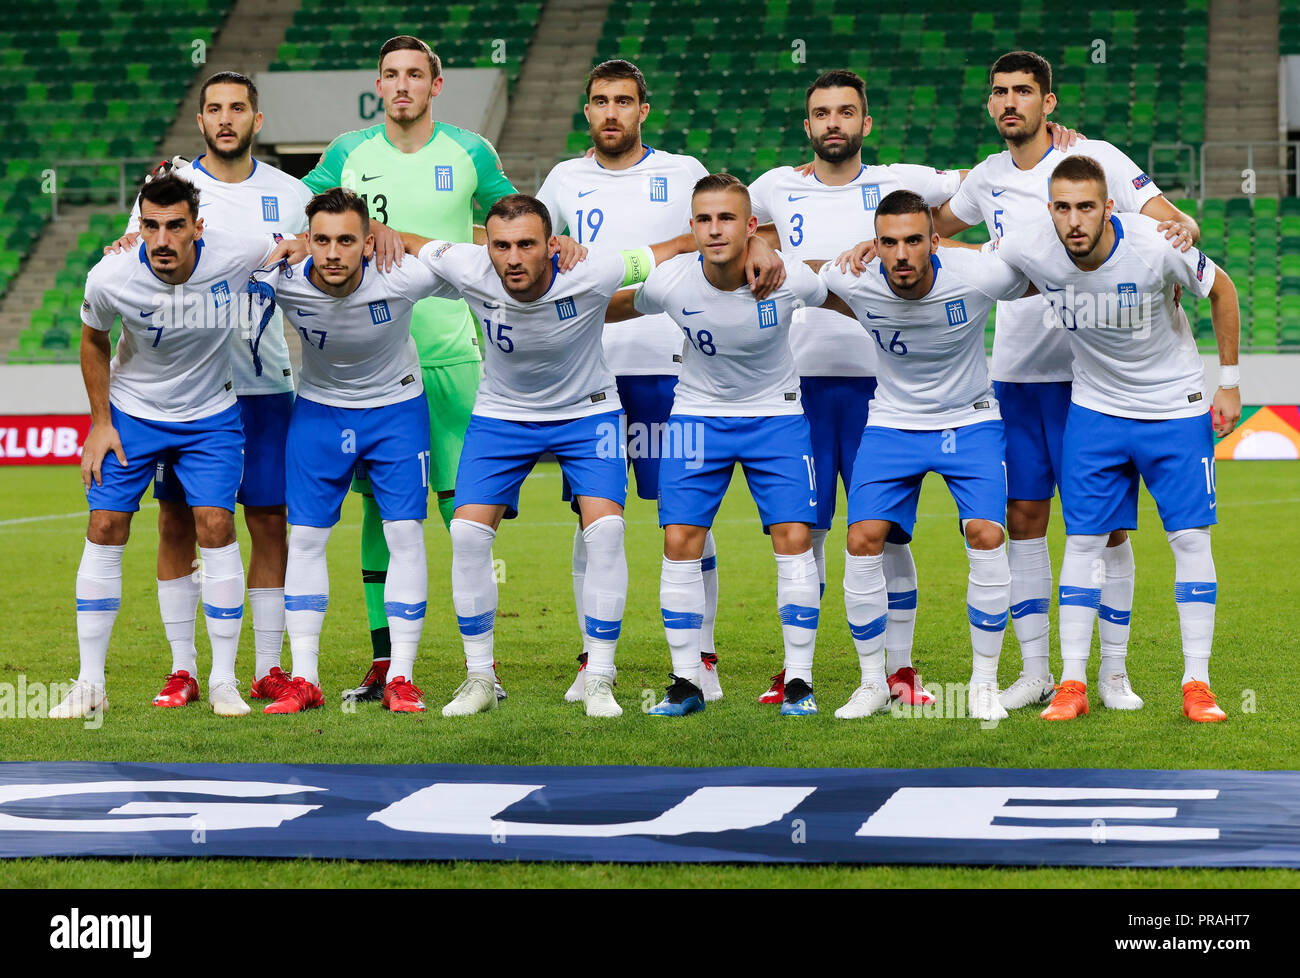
<point x="477" y="694"/>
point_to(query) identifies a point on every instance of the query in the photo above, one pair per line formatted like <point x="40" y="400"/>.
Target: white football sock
<point x="709" y="568"/>
<point x="1196" y="590"/>
<point x="681" y="602"/>
<point x="1031" y="600"/>
<point x="99" y="595"/>
<point x="900" y="584"/>
<point x="223" y="607"/>
<point x="1116" y="607"/>
<point x="474" y="591"/>
<point x="988" y="594"/>
<point x="604" y="593"/>
<point x="178" y="604"/>
<point x="798" y="597"/>
<point x="866" y="604"/>
<point x="306" y="596"/>
<point x="819" y="555"/>
<point x="1083" y="571"/>
<point x="268" y="627"/>
<point x="579" y="564"/>
<point x="406" y="593"/>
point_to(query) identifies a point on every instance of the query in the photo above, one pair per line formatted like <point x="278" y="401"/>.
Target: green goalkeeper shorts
<point x="449" y="392"/>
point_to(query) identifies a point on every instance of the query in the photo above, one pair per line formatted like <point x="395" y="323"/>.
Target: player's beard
<point x="838" y="154"/>
<point x="625" y="140"/>
<point x="1023" y="133"/>
<point x="1089" y="246"/>
<point x="240" y="149"/>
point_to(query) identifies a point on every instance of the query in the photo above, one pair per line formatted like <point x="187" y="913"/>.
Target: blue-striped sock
<point x="406" y="593"/>
<point x="988" y="596"/>
<point x="866" y="604"/>
<point x="474" y="592"/>
<point x="223" y="607"/>
<point x="99" y="595"/>
<point x="799" y="600"/>
<point x="1079" y="596"/>
<point x="681" y="602"/>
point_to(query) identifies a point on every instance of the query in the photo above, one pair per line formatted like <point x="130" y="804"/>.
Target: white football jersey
<point x="1134" y="355"/>
<point x="932" y="372"/>
<point x="173" y="359"/>
<point x="645" y="204"/>
<point x="543" y="359"/>
<point x="738" y="362"/>
<point x="816" y="221"/>
<point x="268" y="201"/>
<point x="357" y="351"/>
<point x="1007" y="199"/>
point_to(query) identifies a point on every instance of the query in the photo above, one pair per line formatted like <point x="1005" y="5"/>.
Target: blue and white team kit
<point x="647" y="202"/>
<point x="737" y="399"/>
<point x="835" y="357"/>
<point x="174" y="351"/>
<point x="546" y="385"/>
<point x="360" y="408"/>
<point x="270" y="201"/>
<point x="1031" y="353"/>
<point x="935" y="410"/>
<point x="1138" y="406"/>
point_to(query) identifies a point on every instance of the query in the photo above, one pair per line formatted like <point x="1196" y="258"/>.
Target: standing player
<point x="625" y="194"/>
<point x="546" y="388"/>
<point x="239" y="193"/>
<point x="1031" y="367"/>
<point x="737" y="401"/>
<point x="166" y="395"/>
<point x="1137" y="408"/>
<point x="934" y="412"/>
<point x="423" y="176"/>
<point x="817" y="215"/>
<point x="359" y="403"/>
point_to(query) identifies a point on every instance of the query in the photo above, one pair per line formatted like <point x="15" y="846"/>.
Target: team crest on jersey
<point x="1128" y="295"/>
<point x="870" y="196"/>
<point x="270" y="208"/>
<point x="1200" y="266"/>
<point x="956" y="311"/>
<point x="441" y="250"/>
<point x="1140" y="181"/>
<point x="766" y="313"/>
<point x="379" y="313"/>
<point x="442" y="178"/>
<point x="221" y="293"/>
<point x="566" y="308"/>
<point x="659" y="189"/>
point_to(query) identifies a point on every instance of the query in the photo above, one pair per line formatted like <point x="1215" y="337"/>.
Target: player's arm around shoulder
<point x="441" y="268"/>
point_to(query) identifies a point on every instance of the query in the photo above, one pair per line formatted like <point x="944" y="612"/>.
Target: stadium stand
<point x="328" y="36"/>
<point x="121" y="70"/>
<point x="1289" y="26"/>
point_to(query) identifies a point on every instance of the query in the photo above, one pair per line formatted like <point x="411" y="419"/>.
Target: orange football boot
<point x="1070" y="701"/>
<point x="1199" y="705"/>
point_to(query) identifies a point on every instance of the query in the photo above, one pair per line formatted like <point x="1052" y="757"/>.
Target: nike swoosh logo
<point x="366" y="179"/>
<point x="146" y="313"/>
<point x="602" y="631"/>
<point x="1213" y="504"/>
<point x="491" y="305"/>
<point x="869" y="316"/>
<point x="301" y="313"/>
<point x="1208" y="590"/>
<point x="586" y="193"/>
<point x="410" y="614"/>
<point x="792" y="198"/>
<point x="812" y="502"/>
<point x="998" y="193"/>
<point x="1073" y="592"/>
<point x="989" y="622"/>
<point x="804" y="617"/>
<point x="691" y="312"/>
<point x="676" y="619"/>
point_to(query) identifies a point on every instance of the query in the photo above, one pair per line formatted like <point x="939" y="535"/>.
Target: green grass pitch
<point x="1255" y="671"/>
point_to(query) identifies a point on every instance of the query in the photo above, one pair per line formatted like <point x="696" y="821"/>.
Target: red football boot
<point x="905" y="686"/>
<point x="270" y="686"/>
<point x="178" y="689"/>
<point x="403" y="696"/>
<point x="776" y="692"/>
<point x="297" y="696"/>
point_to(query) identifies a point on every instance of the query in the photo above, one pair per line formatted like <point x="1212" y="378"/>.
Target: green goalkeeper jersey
<point x="430" y="193"/>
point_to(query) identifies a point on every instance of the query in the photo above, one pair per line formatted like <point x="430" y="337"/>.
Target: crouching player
<point x="934" y="411"/>
<point x="360" y="405"/>
<point x="1137" y="408"/>
<point x="737" y="400"/>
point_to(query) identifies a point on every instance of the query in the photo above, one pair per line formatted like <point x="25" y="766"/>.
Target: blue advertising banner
<point x="978" y="816"/>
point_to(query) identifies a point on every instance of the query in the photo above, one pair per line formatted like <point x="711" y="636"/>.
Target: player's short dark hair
<point x="405" y="42"/>
<point x="1027" y="61"/>
<point x="904" y="202"/>
<point x="618" y="68"/>
<point x="838" y="78"/>
<point x="519" y="205"/>
<point x="170" y="189"/>
<point x="339" y="200"/>
<point x="1080" y="169"/>
<point x="228" y="78"/>
<point x="721" y="181"/>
